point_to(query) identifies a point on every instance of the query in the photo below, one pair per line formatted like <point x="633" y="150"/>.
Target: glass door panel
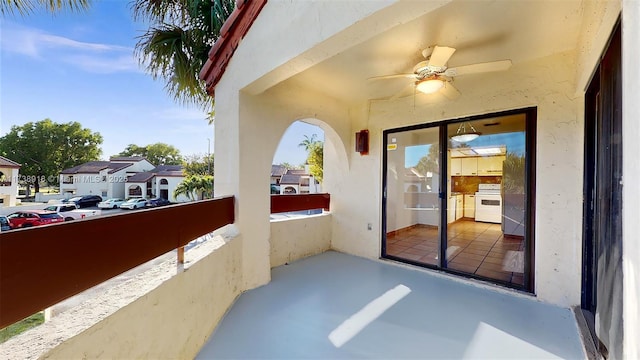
<point x="412" y="203"/>
<point x="486" y="222"/>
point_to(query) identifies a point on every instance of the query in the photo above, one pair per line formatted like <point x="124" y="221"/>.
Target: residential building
<point x="160" y="181"/>
<point x="276" y="174"/>
<point x="104" y="178"/>
<point x="9" y="177"/>
<point x="559" y="94"/>
<point x="299" y="181"/>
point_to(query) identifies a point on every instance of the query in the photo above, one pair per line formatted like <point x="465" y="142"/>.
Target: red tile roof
<point x="94" y="167"/>
<point x="233" y="30"/>
<point x="161" y="171"/>
<point x="4" y="162"/>
<point x="140" y="177"/>
<point x="169" y="170"/>
<point x="127" y="158"/>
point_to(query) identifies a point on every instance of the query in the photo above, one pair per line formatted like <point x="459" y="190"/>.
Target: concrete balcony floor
<point x="340" y="306"/>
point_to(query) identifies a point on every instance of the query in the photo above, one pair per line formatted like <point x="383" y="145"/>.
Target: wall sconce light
<point x="362" y="142"/>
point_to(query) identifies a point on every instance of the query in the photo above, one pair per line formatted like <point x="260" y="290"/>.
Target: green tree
<point x="157" y="154"/>
<point x="315" y="154"/>
<point x="199" y="165"/>
<point x="289" y="166"/>
<point x="195" y="187"/>
<point x="45" y="148"/>
<point x="24" y="7"/>
<point x="429" y="162"/>
<point x="308" y="142"/>
<point x="177" y="43"/>
<point x="316" y="160"/>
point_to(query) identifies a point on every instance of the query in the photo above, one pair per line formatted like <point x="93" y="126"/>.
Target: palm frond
<point x="24" y="7"/>
<point x="176" y="46"/>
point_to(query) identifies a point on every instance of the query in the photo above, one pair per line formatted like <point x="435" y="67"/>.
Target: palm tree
<point x="309" y="142"/>
<point x="314" y="149"/>
<point x="195" y="187"/>
<point x="177" y="44"/>
<point x="24" y="7"/>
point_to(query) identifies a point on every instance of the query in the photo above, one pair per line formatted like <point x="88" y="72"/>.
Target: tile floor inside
<point x="472" y="247"/>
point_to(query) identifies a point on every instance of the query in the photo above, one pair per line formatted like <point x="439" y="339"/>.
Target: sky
<point x="80" y="67"/>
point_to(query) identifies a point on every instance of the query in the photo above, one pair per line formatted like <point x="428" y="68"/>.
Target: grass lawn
<point x="21" y="326"/>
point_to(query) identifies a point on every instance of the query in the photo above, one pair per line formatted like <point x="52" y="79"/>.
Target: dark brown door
<point x="602" y="240"/>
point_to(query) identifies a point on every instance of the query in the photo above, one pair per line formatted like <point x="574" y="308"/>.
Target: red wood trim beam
<point x="286" y="203"/>
<point x="44" y="265"/>
<point x="233" y="30"/>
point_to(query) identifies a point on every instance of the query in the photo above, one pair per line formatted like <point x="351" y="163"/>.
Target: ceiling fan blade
<point x="384" y="77"/>
<point x="479" y="68"/>
<point x="403" y="93"/>
<point x="440" y="56"/>
<point x="449" y="91"/>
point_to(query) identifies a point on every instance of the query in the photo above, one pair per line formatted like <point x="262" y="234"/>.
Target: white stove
<point x="489" y="203"/>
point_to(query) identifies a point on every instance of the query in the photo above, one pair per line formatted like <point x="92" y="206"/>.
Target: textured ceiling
<point x="481" y="31"/>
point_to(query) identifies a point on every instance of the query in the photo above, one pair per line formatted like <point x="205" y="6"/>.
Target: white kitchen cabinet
<point x="469" y="166"/>
<point x="459" y="206"/>
<point x="451" y="209"/>
<point x="490" y="165"/>
<point x="456" y="166"/>
<point x="470" y="206"/>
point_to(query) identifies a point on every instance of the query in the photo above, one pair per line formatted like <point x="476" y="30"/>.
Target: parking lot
<point x="39" y="206"/>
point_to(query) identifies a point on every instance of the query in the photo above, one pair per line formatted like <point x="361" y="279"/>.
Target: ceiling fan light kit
<point x="429" y="86"/>
<point x="429" y="76"/>
<point x="462" y="135"/>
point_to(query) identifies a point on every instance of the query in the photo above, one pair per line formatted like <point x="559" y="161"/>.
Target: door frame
<point x="602" y="208"/>
<point x="530" y="186"/>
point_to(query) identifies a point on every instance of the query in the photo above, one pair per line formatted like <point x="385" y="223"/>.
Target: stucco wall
<point x="173" y="182"/>
<point x="153" y="326"/>
<point x="547" y="85"/>
<point x="92" y="184"/>
<point x="551" y="84"/>
<point x="297" y="238"/>
<point x="355" y="184"/>
<point x="10" y="193"/>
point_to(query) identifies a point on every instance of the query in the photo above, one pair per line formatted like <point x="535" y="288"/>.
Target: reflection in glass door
<point x="487" y="180"/>
<point x="412" y="196"/>
<point x="480" y="170"/>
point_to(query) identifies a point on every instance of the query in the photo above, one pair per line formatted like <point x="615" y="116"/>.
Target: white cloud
<point x="88" y="56"/>
<point x="103" y="65"/>
<point x="61" y="42"/>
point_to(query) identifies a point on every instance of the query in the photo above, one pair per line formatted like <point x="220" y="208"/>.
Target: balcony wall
<point x="294" y="239"/>
<point x="153" y="326"/>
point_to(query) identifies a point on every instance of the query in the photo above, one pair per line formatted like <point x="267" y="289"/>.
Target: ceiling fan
<point x="433" y="75"/>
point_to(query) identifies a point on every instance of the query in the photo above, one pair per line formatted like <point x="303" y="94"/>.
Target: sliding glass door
<point x="413" y="195"/>
<point x="457" y="196"/>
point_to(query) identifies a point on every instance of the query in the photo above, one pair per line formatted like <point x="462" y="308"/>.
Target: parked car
<point x="157" y="202"/>
<point x="71" y="212"/>
<point x="29" y="218"/>
<point x="112" y="203"/>
<point x="134" y="203"/>
<point x="4" y="224"/>
<point x="85" y="201"/>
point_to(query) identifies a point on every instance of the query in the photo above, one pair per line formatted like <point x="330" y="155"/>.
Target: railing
<point x="287" y="203"/>
<point x="42" y="266"/>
